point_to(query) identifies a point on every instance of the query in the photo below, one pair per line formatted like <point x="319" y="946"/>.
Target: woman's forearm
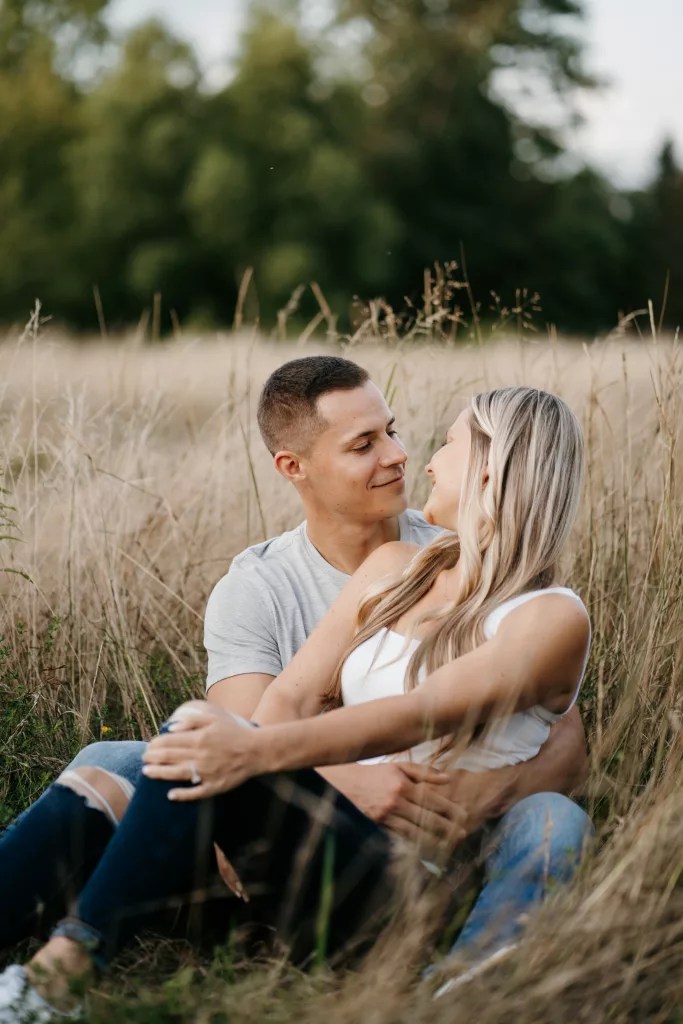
<point x="463" y="692"/>
<point x="382" y="726"/>
<point x="285" y="704"/>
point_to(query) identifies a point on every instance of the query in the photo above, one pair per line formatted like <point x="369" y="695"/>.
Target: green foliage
<point x="354" y="166"/>
<point x="34" y="746"/>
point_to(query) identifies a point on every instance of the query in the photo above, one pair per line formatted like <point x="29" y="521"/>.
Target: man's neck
<point x="346" y="545"/>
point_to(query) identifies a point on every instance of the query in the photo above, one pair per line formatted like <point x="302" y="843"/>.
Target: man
<point x="333" y="437"/>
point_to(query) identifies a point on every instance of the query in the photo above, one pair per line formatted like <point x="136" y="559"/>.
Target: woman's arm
<point x="300" y="689"/>
<point x="535" y="657"/>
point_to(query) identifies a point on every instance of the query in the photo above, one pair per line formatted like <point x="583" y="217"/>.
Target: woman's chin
<point x="428" y="514"/>
<point x="431" y="516"/>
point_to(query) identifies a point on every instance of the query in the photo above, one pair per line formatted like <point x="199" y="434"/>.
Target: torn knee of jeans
<point x="101" y="789"/>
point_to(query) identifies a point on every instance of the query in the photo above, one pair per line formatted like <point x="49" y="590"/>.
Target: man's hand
<point x="412" y="800"/>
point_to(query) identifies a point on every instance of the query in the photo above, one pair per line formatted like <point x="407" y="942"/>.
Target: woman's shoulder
<point x="386" y="560"/>
<point x="558" y="607"/>
<point x="393" y="556"/>
<point x="535" y="595"/>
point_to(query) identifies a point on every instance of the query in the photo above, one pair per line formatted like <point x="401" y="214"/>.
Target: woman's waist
<point x="511" y="740"/>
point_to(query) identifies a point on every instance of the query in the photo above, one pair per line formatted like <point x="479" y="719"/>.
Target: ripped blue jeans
<point x="263" y="827"/>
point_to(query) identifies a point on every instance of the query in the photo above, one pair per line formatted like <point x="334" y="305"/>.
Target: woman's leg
<point x="297" y="844"/>
<point x="46" y="858"/>
<point x="48" y="853"/>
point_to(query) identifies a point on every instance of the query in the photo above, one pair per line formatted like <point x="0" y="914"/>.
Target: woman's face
<point x="447" y="469"/>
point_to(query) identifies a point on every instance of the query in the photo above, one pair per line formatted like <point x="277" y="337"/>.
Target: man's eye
<point x="393" y="432"/>
<point x="363" y="447"/>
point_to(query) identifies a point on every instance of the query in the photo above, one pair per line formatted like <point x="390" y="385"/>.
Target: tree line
<point x="354" y="159"/>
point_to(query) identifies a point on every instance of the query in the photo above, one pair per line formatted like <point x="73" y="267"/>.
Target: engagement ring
<point x="195" y="777"/>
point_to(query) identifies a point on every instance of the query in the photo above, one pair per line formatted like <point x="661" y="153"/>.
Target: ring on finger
<point x="195" y="777"/>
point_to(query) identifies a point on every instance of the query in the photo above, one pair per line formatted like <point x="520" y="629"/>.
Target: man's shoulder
<point x="256" y="573"/>
<point x="269" y="553"/>
<point x="416" y="530"/>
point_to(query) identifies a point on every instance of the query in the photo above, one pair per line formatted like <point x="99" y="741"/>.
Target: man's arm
<point x="561" y="766"/>
<point x="239" y="694"/>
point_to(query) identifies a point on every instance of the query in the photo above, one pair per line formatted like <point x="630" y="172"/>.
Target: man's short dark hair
<point x="287" y="411"/>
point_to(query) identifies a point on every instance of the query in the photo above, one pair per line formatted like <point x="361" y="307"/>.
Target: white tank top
<point x="378" y="666"/>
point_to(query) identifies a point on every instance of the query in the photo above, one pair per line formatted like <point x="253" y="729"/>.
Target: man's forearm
<point x="561" y="765"/>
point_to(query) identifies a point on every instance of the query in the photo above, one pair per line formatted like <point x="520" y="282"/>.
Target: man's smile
<point x="394" y="480"/>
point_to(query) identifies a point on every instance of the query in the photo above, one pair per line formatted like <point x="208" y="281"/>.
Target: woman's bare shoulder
<point x="393" y="556"/>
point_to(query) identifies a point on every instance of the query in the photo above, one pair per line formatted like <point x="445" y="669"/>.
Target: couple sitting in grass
<point x="447" y="661"/>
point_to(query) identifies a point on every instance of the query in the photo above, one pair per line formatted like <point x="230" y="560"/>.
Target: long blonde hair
<point x="511" y="530"/>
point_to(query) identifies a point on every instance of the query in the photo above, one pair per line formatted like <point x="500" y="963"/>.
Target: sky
<point x="634" y="46"/>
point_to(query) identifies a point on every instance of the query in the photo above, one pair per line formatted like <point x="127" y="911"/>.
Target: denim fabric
<point x="315" y="862"/>
<point x="122" y="757"/>
<point x="534" y="848"/>
<point x="46" y="856"/>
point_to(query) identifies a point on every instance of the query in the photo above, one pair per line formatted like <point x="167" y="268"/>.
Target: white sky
<point x="635" y="45"/>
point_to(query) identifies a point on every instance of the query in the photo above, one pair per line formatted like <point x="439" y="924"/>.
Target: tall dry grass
<point x="135" y="473"/>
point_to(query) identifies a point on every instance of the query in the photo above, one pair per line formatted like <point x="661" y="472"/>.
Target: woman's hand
<point x="204" y="745"/>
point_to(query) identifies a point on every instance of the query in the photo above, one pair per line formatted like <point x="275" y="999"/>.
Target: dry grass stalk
<point x="136" y="474"/>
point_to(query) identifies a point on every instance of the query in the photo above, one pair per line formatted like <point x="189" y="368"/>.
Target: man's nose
<point x="394" y="454"/>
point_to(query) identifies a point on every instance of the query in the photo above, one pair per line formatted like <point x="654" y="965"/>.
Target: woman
<point x="471" y="651"/>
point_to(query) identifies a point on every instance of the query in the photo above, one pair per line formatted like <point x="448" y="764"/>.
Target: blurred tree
<point x="656" y="256"/>
<point x="578" y="253"/>
<point x="464" y="170"/>
<point x="354" y="164"/>
<point x="141" y="128"/>
<point x="37" y="122"/>
<point x="280" y="185"/>
<point x="67" y="25"/>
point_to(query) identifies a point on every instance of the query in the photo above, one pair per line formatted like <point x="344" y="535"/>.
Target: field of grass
<point x="131" y="477"/>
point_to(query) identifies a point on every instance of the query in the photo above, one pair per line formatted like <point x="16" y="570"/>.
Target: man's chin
<point x="393" y="504"/>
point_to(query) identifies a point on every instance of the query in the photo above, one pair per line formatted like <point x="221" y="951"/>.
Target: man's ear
<point x="288" y="465"/>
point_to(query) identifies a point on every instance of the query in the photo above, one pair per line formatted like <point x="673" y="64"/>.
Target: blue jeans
<point x="122" y="757"/>
<point x="316" y="868"/>
<point x="532" y="849"/>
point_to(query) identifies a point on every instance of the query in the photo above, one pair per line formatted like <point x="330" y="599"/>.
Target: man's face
<point x="355" y="467"/>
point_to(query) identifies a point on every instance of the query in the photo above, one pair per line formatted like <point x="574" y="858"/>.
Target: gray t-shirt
<point x="261" y="612"/>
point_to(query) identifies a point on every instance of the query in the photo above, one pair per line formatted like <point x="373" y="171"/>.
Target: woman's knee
<point x="121" y="757"/>
<point x="102" y="790"/>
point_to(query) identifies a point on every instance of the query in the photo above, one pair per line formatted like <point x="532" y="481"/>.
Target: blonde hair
<point x="511" y="530"/>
